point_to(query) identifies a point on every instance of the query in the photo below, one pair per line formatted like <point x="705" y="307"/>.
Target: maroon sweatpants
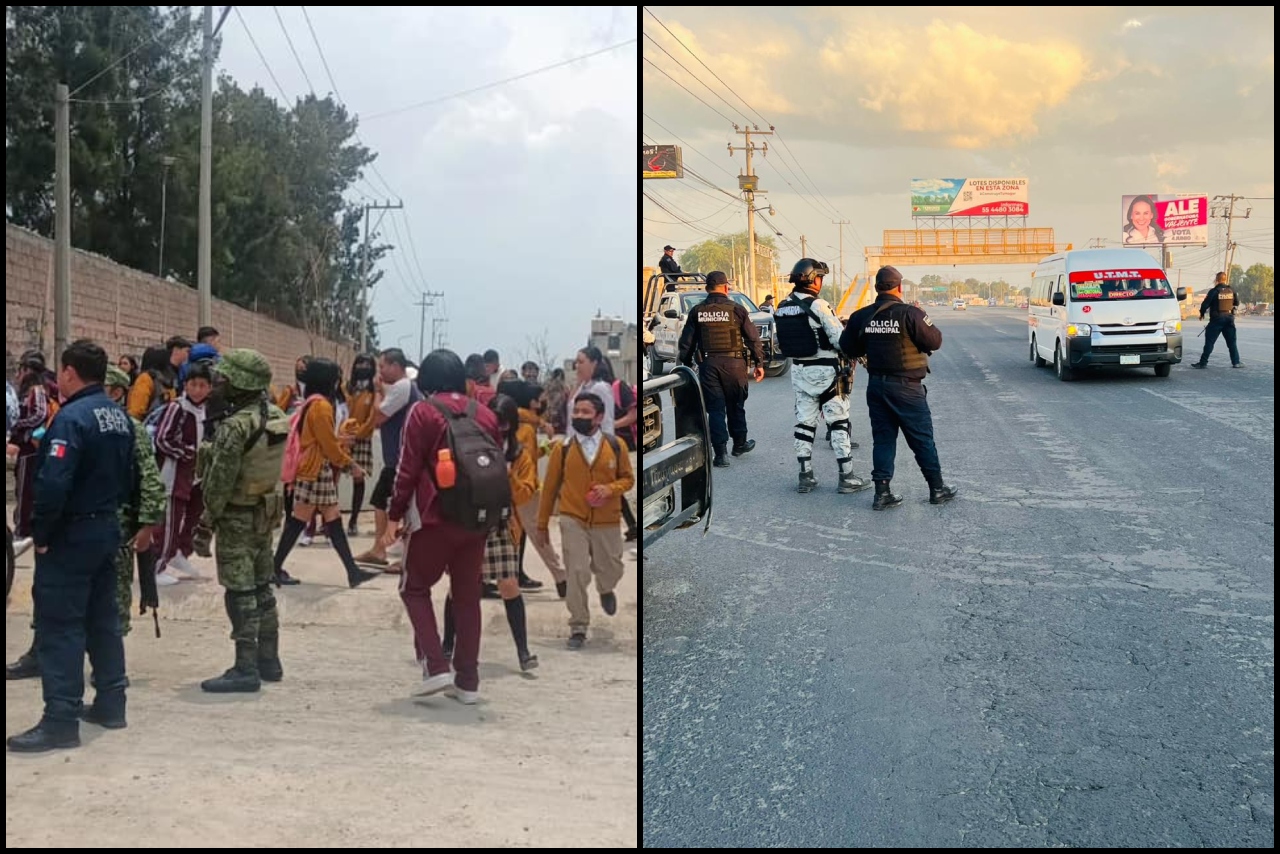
<point x="24" y="477"/>
<point x="180" y="522"/>
<point x="430" y="553"/>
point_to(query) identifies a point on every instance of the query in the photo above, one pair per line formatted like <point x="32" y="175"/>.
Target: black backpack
<point x="480" y="499"/>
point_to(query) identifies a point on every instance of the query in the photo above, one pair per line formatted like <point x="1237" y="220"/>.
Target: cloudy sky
<point x="519" y="199"/>
<point x="1088" y="103"/>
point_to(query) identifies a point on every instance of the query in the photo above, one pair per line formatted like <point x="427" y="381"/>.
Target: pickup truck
<point x="673" y="306"/>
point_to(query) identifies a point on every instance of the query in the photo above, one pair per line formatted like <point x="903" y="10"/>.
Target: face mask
<point x="585" y="426"/>
<point x="363" y="372"/>
<point x="297" y="375"/>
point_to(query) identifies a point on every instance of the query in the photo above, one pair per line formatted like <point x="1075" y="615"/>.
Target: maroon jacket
<point x="425" y="433"/>
<point x="178" y="436"/>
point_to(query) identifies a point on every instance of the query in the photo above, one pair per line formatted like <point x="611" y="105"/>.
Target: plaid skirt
<point x="501" y="556"/>
<point x="362" y="453"/>
<point x="320" y="492"/>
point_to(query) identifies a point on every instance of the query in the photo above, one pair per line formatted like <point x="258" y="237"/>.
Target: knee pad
<point x="842" y="424"/>
<point x="805" y="432"/>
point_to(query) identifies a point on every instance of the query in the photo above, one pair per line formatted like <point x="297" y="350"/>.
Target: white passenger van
<point x="1103" y="307"/>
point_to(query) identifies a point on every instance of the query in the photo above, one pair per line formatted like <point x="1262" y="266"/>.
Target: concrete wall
<point x="126" y="311"/>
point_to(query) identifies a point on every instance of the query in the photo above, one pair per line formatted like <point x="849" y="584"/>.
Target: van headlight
<point x="1079" y="330"/>
<point x="1172" y="326"/>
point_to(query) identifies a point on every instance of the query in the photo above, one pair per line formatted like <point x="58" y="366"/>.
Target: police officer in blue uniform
<point x="1221" y="302"/>
<point x="896" y="340"/>
<point x="86" y="471"/>
<point x="721" y="332"/>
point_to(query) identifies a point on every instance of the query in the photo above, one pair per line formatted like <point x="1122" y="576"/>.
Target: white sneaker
<point x="434" y="684"/>
<point x="304" y="540"/>
<point x="466" y="698"/>
<point x="179" y="564"/>
<point x="166" y="578"/>
<point x="22" y="546"/>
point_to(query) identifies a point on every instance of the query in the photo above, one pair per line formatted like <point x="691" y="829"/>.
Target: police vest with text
<point x="796" y="337"/>
<point x="890" y="350"/>
<point x="1225" y="303"/>
<point x="719" y="329"/>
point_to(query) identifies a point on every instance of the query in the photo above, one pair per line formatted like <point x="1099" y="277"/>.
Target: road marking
<point x="1258" y="426"/>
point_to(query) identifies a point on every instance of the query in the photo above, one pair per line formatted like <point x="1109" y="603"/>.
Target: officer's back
<point x="896" y="338"/>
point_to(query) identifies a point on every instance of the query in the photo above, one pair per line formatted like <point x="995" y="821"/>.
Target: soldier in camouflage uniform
<point x="243" y="504"/>
<point x="136" y="521"/>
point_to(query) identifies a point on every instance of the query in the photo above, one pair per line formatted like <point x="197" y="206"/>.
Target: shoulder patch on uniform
<point x="928" y="321"/>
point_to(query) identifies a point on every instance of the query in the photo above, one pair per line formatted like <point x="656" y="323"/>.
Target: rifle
<point x="844" y="377"/>
<point x="148" y="594"/>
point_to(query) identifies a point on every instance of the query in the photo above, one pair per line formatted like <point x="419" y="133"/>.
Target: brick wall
<point x="126" y="311"/>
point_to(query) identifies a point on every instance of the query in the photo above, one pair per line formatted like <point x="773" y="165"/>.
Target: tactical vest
<point x="264" y="454"/>
<point x="719" y="330"/>
<point x="796" y="337"/>
<point x="890" y="350"/>
<point x="1226" y="299"/>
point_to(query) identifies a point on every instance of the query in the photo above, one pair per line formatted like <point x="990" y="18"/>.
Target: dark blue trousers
<point x="74" y="594"/>
<point x="1226" y="327"/>
<point x="898" y="404"/>
<point x="724" y="388"/>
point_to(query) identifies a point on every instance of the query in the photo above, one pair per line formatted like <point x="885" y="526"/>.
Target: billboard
<point x="661" y="161"/>
<point x="1164" y="220"/>
<point x="969" y="197"/>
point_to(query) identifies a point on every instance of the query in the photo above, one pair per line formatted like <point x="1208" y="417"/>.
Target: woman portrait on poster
<point x="1141" y="227"/>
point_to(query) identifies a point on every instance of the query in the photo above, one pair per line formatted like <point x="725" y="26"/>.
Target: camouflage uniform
<point x="150" y="498"/>
<point x="232" y="471"/>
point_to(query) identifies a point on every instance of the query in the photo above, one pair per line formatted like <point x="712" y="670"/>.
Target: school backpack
<point x="480" y="499"/>
<point x="293" y="446"/>
<point x="152" y="421"/>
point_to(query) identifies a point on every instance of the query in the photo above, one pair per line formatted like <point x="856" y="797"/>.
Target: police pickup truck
<point x="684" y="462"/>
<point x="675" y="299"/>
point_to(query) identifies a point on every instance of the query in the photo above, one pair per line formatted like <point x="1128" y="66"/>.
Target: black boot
<point x="808" y="483"/>
<point x="940" y="493"/>
<point x="884" y="498"/>
<point x="446" y="641"/>
<point x="743" y="447"/>
<point x="338" y="537"/>
<point x="26" y="667"/>
<point x="720" y="461"/>
<point x="242" y="608"/>
<point x="850" y="482"/>
<point x="46" y="735"/>
<point x="105" y="718"/>
<point x="269" y="667"/>
<point x="520" y="632"/>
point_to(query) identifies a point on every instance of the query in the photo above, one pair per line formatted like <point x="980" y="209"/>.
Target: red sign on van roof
<point x="1099" y="275"/>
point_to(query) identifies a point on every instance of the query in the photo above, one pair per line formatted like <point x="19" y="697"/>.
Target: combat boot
<point x="743" y="447"/>
<point x="269" y="667"/>
<point x="940" y="493"/>
<point x="243" y="678"/>
<point x="850" y="482"/>
<point x="808" y="483"/>
<point x="720" y="461"/>
<point x="26" y="667"/>
<point x="884" y="498"/>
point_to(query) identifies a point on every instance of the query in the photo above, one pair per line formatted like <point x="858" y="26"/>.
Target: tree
<point x="728" y="253"/>
<point x="1258" y="284"/>
<point x="538" y="350"/>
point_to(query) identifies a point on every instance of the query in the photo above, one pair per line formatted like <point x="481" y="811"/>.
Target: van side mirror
<point x="1059" y="298"/>
<point x="671" y="312"/>
<point x="1182" y="294"/>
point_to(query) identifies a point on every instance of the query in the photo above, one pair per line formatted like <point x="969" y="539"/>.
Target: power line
<point x="261" y="56"/>
<point x="688" y="146"/>
<point x="691" y="93"/>
<point x="502" y="82"/>
<point x="694" y="76"/>
<point x="294" y="50"/>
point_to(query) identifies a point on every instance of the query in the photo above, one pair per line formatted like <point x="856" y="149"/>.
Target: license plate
<point x="1131" y="360"/>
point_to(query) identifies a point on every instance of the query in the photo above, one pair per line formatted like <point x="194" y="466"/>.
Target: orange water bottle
<point x="446" y="471"/>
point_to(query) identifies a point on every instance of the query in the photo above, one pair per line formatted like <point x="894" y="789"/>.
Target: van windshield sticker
<point x="1116" y="286"/>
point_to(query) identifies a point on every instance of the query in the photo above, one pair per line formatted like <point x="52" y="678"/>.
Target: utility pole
<point x="804" y="252"/>
<point x="204" y="260"/>
<point x="748" y="185"/>
<point x="427" y="301"/>
<point x="364" y="271"/>
<point x="62" y="223"/>
<point x="435" y="325"/>
<point x="1097" y="242"/>
<point x="842" y="223"/>
<point x="1230" y="216"/>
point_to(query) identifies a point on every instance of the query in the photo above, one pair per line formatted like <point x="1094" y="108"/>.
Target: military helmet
<point x="116" y="378"/>
<point x="807" y="271"/>
<point x="244" y="369"/>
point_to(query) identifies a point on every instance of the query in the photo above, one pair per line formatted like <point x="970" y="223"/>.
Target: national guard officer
<point x="86" y="473"/>
<point x="243" y="504"/>
<point x="896" y="340"/>
<point x="721" y="330"/>
<point x="807" y="332"/>
<point x="1221" y="303"/>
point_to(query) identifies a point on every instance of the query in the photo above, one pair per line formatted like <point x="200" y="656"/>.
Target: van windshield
<point x="688" y="301"/>
<point x="1110" y="290"/>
